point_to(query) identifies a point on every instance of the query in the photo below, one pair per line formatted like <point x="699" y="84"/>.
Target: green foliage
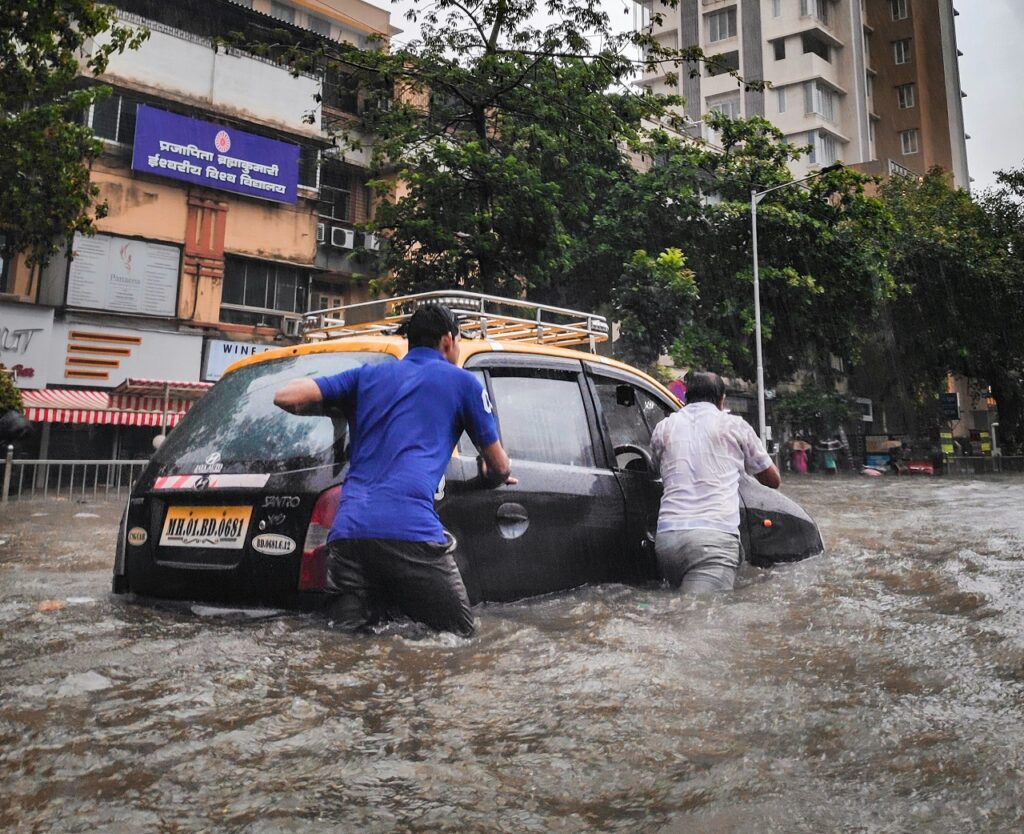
<point x="503" y="164"/>
<point x="503" y="141"/>
<point x="958" y="267"/>
<point x="10" y="396"/>
<point x="45" y="192"/>
<point x="653" y="302"/>
<point x="812" y="411"/>
<point x="822" y="249"/>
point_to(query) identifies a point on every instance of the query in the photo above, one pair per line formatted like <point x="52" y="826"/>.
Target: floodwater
<point x="879" y="688"/>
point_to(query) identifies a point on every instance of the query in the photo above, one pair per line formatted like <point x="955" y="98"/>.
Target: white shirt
<point x="701" y="452"/>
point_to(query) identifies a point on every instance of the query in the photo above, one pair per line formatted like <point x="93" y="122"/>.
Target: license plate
<point x="215" y="527"/>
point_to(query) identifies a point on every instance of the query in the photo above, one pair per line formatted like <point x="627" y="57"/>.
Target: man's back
<point x="404" y="420"/>
<point x="702" y="451"/>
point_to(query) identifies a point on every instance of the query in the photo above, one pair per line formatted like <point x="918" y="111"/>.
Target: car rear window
<point x="237" y="420"/>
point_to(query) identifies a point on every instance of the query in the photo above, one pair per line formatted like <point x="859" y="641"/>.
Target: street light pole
<point x="755" y="198"/>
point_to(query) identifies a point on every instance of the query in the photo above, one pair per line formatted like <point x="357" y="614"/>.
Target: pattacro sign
<point x="204" y="153"/>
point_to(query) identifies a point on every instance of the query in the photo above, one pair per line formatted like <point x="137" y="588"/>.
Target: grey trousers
<point x="698" y="561"/>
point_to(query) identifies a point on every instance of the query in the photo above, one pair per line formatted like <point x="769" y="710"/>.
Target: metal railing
<point x="983" y="465"/>
<point x="95" y="479"/>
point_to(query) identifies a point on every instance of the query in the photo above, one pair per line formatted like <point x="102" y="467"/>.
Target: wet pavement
<point x="879" y="688"/>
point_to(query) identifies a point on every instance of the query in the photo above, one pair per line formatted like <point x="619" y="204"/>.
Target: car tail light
<point x="313" y="570"/>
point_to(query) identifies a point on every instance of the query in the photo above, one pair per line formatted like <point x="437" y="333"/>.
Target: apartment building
<point x="870" y="83"/>
<point x="230" y="215"/>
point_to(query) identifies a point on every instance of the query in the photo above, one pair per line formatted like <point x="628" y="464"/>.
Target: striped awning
<point x="101" y="408"/>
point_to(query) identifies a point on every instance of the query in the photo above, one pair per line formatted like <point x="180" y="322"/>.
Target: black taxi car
<point x="236" y="505"/>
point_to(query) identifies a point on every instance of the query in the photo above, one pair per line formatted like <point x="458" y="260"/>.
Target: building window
<point x="818" y="9"/>
<point x="728" y="106"/>
<point x="723" y="63"/>
<point x="309" y="166"/>
<point x="344" y="195"/>
<point x="319" y="25"/>
<point x="901" y="51"/>
<point x="821" y="99"/>
<point x="900" y="9"/>
<point x="721" y="25"/>
<point x="264" y="289"/>
<point x="781" y="93"/>
<point x="776" y="8"/>
<point x="906" y="96"/>
<point x="780" y="49"/>
<point x="816" y="46"/>
<point x="341" y="91"/>
<point x="282" y="12"/>
<point x="908" y="141"/>
<point x="113" y="118"/>
<point x="824" y="148"/>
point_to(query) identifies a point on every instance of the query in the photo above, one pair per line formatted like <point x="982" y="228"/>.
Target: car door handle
<point x="513" y="520"/>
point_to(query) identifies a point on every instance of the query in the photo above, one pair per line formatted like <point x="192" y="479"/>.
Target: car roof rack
<point x="481" y="317"/>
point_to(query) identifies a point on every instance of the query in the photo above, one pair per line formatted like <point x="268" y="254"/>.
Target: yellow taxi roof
<point x="398" y="347"/>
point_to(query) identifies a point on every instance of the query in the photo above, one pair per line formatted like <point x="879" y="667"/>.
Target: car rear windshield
<point x="236" y="425"/>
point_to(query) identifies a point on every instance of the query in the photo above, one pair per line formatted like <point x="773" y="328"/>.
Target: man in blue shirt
<point x="387" y="545"/>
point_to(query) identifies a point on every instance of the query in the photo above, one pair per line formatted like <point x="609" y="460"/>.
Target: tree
<point x="45" y="192"/>
<point x="957" y="261"/>
<point x="653" y="303"/>
<point x="822" y="249"/>
<point x="501" y="141"/>
<point x="812" y="411"/>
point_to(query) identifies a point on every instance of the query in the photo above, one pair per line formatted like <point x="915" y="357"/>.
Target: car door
<point x="564" y="523"/>
<point x="628" y="411"/>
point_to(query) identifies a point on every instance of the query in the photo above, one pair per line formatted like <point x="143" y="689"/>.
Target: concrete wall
<point x="186" y="68"/>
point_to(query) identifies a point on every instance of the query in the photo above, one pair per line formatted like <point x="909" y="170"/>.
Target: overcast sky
<point x="990" y="33"/>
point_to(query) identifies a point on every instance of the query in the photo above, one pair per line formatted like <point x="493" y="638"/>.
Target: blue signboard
<point x="204" y="153"/>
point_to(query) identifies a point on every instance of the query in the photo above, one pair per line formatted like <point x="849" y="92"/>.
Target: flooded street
<point x="879" y="688"/>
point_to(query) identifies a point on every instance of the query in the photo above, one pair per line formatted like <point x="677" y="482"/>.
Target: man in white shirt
<point x="702" y="452"/>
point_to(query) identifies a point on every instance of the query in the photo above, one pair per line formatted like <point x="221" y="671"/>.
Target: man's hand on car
<point x="494" y="466"/>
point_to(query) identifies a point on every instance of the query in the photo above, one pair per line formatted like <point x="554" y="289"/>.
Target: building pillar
<point x="203" y="267"/>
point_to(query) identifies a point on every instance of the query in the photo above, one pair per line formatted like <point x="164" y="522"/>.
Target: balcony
<point x="185" y="67"/>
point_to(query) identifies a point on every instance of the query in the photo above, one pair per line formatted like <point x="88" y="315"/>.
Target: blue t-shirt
<point x="404" y="419"/>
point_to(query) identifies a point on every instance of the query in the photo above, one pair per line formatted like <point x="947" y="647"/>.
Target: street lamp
<point x="755" y="198"/>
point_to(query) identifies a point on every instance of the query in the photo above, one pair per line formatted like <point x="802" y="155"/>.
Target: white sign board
<point x="25" y="333"/>
<point x="220" y="354"/>
<point x="98" y="356"/>
<point x="124" y="275"/>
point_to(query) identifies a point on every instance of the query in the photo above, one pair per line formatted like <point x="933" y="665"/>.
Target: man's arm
<point x="495" y="466"/>
<point x="770" y="477"/>
<point x="298" y="396"/>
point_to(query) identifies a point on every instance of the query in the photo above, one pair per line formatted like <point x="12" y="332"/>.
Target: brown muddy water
<point x="879" y="688"/>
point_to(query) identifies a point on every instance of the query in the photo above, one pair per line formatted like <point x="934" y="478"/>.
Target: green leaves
<point x="653" y="302"/>
<point x="45" y="192"/>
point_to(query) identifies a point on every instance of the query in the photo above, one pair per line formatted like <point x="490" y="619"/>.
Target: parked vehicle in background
<point x="237" y="503"/>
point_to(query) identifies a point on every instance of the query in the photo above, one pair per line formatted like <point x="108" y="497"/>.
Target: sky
<point x="990" y="33"/>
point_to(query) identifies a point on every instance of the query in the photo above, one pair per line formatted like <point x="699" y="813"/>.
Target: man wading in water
<point x="702" y="452"/>
<point x="387" y="545"/>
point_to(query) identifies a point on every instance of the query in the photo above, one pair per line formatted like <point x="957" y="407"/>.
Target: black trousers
<point x="372" y="577"/>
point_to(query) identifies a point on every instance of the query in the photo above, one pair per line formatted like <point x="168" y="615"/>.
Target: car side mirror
<point x="625" y="395"/>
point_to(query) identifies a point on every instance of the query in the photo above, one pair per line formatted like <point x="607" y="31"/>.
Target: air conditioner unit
<point x="371" y="242"/>
<point x="321" y="233"/>
<point x="342" y="238"/>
